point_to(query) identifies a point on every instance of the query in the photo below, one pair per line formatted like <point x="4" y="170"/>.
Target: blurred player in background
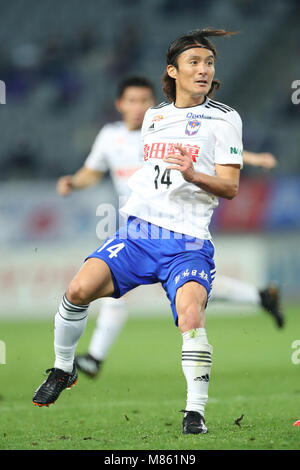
<point x="116" y="149"/>
<point x="200" y="174"/>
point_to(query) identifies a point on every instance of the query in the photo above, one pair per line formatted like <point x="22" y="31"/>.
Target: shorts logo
<point x="203" y="275"/>
<point x="194" y="272"/>
<point x="192" y="127"/>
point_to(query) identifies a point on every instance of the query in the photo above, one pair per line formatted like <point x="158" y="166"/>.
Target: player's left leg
<point x="191" y="299"/>
<point x="234" y="290"/>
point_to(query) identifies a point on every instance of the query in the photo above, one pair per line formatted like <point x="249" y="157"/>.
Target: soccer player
<point x="187" y="166"/>
<point x="115" y="149"/>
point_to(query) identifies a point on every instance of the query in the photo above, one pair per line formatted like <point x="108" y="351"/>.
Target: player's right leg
<point x="94" y="280"/>
<point x="118" y="266"/>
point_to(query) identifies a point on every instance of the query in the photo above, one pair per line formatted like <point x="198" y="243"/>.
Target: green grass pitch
<point x="135" y="402"/>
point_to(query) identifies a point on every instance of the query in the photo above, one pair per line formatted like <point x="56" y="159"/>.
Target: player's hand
<point x="64" y="185"/>
<point x="181" y="161"/>
<point x="267" y="160"/>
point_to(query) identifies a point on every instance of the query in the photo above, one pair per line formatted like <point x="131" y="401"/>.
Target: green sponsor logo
<point x="235" y="151"/>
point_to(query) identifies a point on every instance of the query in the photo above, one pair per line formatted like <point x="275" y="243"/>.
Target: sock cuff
<point x="194" y="337"/>
<point x="69" y="311"/>
<point x="195" y="348"/>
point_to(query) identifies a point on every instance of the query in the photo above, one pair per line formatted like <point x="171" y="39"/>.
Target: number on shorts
<point x="113" y="250"/>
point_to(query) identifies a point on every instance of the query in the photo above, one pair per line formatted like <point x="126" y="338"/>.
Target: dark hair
<point x="134" y="81"/>
<point x="178" y="46"/>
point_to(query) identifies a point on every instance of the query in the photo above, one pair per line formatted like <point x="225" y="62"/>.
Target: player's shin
<point x="70" y="322"/>
<point x="196" y="365"/>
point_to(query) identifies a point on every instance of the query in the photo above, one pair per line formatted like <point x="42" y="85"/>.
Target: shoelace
<point x="56" y="375"/>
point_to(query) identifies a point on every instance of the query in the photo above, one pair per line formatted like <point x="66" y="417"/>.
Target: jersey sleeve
<point x="141" y="149"/>
<point x="97" y="160"/>
<point x="229" y="145"/>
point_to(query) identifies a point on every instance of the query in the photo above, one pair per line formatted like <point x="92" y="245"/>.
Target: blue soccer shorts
<point x="142" y="253"/>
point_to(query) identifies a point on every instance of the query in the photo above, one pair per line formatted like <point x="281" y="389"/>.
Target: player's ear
<point x="118" y="105"/>
<point x="172" y="71"/>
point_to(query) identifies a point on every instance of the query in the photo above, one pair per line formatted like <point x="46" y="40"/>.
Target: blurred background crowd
<point x="61" y="63"/>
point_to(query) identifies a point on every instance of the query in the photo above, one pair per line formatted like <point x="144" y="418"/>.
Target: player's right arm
<point x="83" y="178"/>
<point x="93" y="169"/>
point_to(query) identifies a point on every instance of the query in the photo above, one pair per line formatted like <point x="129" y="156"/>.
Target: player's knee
<point x="76" y="293"/>
<point x="190" y="317"/>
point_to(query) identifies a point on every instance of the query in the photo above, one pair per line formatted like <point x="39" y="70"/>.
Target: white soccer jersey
<point x="212" y="134"/>
<point x="116" y="149"/>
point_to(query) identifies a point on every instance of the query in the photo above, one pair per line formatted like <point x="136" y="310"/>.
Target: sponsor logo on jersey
<point x="197" y="116"/>
<point x="158" y="117"/>
<point x="235" y="151"/>
<point x="161" y="149"/>
<point x="192" y="127"/>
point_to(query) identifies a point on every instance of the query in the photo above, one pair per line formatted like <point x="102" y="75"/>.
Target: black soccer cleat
<point x="88" y="365"/>
<point x="193" y="423"/>
<point x="270" y="301"/>
<point x="51" y="388"/>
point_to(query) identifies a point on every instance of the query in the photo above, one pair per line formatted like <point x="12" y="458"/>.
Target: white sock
<point x="196" y="365"/>
<point x="70" y="322"/>
<point x="109" y="324"/>
<point x="225" y="288"/>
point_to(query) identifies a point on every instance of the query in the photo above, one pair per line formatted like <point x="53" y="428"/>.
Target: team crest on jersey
<point x="192" y="127"/>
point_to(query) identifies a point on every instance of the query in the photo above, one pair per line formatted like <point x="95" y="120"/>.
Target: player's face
<point x="195" y="72"/>
<point x="133" y="104"/>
